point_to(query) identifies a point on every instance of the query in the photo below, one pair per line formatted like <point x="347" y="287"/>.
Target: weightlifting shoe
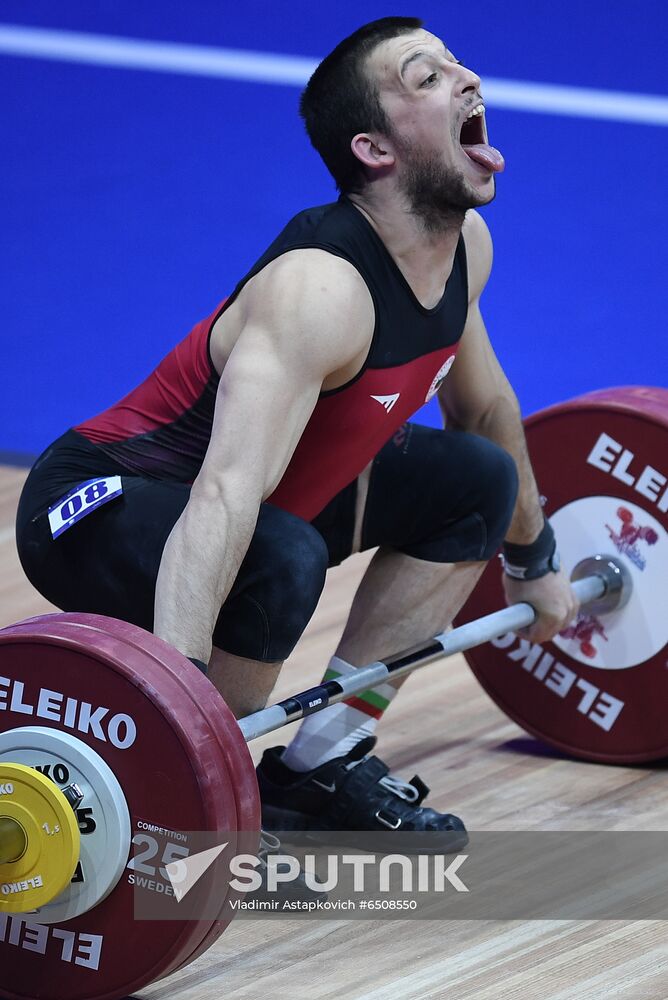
<point x="354" y="793"/>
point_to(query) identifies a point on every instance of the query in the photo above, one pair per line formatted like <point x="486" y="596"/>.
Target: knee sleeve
<point x="277" y="590"/>
<point x="441" y="496"/>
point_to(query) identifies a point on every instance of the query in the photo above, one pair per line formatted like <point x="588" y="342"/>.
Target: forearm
<point x="501" y="422"/>
<point x="199" y="565"/>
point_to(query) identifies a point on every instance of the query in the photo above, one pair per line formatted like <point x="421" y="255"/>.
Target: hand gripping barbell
<point x="107" y="724"/>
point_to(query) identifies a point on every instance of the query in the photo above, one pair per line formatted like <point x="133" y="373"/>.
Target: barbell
<point x="115" y="749"/>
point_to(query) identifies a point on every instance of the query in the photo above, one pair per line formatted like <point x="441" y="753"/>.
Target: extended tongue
<point x="486" y="155"/>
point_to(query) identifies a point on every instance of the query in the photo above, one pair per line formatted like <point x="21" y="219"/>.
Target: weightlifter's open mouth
<point x="473" y="139"/>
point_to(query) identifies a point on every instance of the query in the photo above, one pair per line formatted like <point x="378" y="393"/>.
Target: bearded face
<point x="439" y="152"/>
<point x="437" y="193"/>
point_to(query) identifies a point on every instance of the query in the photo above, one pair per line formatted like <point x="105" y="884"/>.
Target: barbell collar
<point x="607" y="578"/>
<point x="617" y="578"/>
<point x="74" y="795"/>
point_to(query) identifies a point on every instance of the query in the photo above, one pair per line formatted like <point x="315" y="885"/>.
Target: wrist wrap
<point x="529" y="562"/>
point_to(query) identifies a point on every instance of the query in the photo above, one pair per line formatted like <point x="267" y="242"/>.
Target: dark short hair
<point x="341" y="100"/>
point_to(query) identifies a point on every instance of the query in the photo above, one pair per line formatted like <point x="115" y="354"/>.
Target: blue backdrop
<point x="134" y="200"/>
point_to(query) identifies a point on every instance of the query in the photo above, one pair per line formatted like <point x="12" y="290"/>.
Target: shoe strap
<point x="354" y="789"/>
<point x="413" y="791"/>
<point x="399" y="787"/>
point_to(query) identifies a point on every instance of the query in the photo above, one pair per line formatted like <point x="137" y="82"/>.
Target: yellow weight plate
<point x="39" y="839"/>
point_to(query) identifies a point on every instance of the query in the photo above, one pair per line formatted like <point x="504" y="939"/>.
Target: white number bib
<point x="80" y="501"/>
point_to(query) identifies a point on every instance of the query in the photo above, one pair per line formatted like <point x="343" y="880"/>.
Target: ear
<point x="375" y="152"/>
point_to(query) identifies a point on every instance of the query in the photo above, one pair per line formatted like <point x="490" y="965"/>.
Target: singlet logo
<point x="439" y="378"/>
<point x="387" y="401"/>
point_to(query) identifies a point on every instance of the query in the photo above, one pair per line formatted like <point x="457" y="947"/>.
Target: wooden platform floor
<point x="478" y="765"/>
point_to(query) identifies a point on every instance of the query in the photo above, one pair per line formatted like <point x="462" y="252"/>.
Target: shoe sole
<point x="286" y="821"/>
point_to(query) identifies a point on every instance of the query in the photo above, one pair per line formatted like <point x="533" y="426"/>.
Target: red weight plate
<point x="134" y="712"/>
<point x="229" y="735"/>
<point x="233" y="747"/>
<point x="599" y="690"/>
<point x="240" y="765"/>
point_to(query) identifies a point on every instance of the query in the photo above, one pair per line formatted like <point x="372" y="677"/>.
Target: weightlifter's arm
<point x="304" y="317"/>
<point x="477" y="397"/>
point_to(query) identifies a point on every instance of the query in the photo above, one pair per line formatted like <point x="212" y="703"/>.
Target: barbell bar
<point x="608" y="588"/>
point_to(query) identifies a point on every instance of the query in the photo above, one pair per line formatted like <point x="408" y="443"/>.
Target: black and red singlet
<point x="162" y="428"/>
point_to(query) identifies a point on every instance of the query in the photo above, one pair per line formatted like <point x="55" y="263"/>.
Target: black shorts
<point x="442" y="496"/>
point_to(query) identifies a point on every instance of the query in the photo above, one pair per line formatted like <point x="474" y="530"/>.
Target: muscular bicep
<point x="303" y="319"/>
<point x="265" y="398"/>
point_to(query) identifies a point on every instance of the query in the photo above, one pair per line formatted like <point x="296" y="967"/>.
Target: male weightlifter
<point x="273" y="440"/>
